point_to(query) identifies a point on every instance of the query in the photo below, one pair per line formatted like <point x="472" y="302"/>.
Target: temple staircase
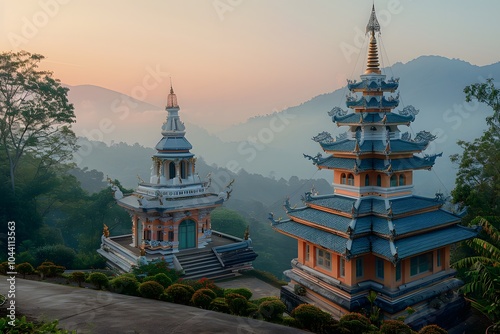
<point x="204" y="264"/>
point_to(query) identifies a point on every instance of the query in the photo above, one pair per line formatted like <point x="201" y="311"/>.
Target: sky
<point x="233" y="59"/>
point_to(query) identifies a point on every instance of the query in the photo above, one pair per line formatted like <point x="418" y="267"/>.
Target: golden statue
<point x="105" y="231"/>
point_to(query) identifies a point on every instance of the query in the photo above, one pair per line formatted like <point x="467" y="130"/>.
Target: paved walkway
<point x="259" y="288"/>
<point x="91" y="311"/>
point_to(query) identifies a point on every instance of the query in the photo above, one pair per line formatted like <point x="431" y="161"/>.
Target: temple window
<point x="170" y="235"/>
<point x="159" y="235"/>
<point x="394" y="181"/>
<point x="147" y="235"/>
<point x="439" y="257"/>
<point x="359" y="267"/>
<point x="323" y="259"/>
<point x="342" y="178"/>
<point x="342" y="267"/>
<point x="421" y="264"/>
<point x="308" y="252"/>
<point x="379" y="268"/>
<point x="183" y="169"/>
<point x="171" y="170"/>
<point x="379" y="180"/>
<point x="402" y="179"/>
<point x="367" y="180"/>
<point x="398" y="271"/>
<point x="350" y="180"/>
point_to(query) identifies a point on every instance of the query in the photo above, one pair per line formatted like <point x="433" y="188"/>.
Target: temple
<point x="171" y="215"/>
<point x="372" y="233"/>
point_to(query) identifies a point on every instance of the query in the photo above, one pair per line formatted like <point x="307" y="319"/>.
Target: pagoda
<point x="372" y="233"/>
<point x="171" y="214"/>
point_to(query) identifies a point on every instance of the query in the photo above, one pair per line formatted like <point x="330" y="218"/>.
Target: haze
<point x="233" y="59"/>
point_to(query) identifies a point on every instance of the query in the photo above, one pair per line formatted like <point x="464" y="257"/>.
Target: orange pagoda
<point x="372" y="233"/>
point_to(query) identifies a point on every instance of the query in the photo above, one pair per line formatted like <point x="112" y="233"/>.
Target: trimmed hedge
<point x="99" y="280"/>
<point x="240" y="291"/>
<point x="125" y="284"/>
<point x="219" y="304"/>
<point x="179" y="293"/>
<point x="151" y="289"/>
<point x="311" y="317"/>
<point x="432" y="329"/>
<point x="203" y="298"/>
<point x="272" y="310"/>
<point x="395" y="327"/>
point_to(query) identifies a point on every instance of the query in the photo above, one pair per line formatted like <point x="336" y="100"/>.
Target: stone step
<point x="190" y="269"/>
<point x="214" y="274"/>
<point x="193" y="255"/>
<point x="198" y="260"/>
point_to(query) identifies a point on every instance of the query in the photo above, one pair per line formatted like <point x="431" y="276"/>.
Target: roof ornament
<point x="337" y="111"/>
<point x="271" y="218"/>
<point x="409" y="111"/>
<point x="314" y="159"/>
<point x="372" y="65"/>
<point x="373" y="25"/>
<point x="406" y="136"/>
<point x="323" y="137"/>
<point x="287" y="206"/>
<point x="424" y="136"/>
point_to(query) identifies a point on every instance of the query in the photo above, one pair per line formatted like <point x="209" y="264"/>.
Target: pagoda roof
<point x="387" y="118"/>
<point x="381" y="165"/>
<point x="400" y="249"/>
<point x="372" y="102"/>
<point x="177" y="143"/>
<point x="371" y="146"/>
<point x="414" y="223"/>
<point x="420" y="243"/>
<point x="326" y="219"/>
<point x="372" y="85"/>
<point x="144" y="203"/>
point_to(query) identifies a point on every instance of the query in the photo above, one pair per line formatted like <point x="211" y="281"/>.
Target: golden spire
<point x="372" y="64"/>
<point x="172" y="98"/>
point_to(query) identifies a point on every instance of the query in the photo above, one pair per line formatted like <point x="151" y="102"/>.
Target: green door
<point x="187" y="234"/>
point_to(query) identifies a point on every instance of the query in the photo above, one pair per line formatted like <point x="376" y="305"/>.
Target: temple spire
<point x="172" y="98"/>
<point x="372" y="64"/>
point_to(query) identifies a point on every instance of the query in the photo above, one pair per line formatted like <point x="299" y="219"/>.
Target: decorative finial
<point x="373" y="24"/>
<point x="171" y="87"/>
<point x="372" y="65"/>
<point x="172" y="98"/>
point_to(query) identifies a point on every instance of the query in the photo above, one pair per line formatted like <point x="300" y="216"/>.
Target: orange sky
<point x="232" y="59"/>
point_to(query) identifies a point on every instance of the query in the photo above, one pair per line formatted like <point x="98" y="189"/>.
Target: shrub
<point x="356" y="323"/>
<point x="78" y="277"/>
<point x="207" y="284"/>
<point x="240" y="291"/>
<point x="99" y="280"/>
<point x="264" y="299"/>
<point x="49" y="269"/>
<point x="290" y="322"/>
<point x="237" y="303"/>
<point x="4" y="268"/>
<point x="25" y="269"/>
<point x="299" y="290"/>
<point x="90" y="260"/>
<point x="219" y="304"/>
<point x="272" y="310"/>
<point x="155" y="267"/>
<point x="151" y="289"/>
<point x="311" y="317"/>
<point x="163" y="279"/>
<point x="58" y="253"/>
<point x="180" y="293"/>
<point x="432" y="329"/>
<point x="395" y="327"/>
<point x="125" y="284"/>
<point x="202" y="298"/>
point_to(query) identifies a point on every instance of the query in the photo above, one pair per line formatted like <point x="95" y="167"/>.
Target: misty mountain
<point x="272" y="145"/>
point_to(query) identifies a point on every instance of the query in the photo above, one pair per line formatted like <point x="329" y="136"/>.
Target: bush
<point x="99" y="280"/>
<point x="161" y="278"/>
<point x="299" y="290"/>
<point x="180" y="293"/>
<point x="290" y="322"/>
<point x="395" y="327"/>
<point x="151" y="289"/>
<point x="264" y="299"/>
<point x="356" y="323"/>
<point x="432" y="329"/>
<point x="49" y="269"/>
<point x="155" y="267"/>
<point x="240" y="291"/>
<point x="311" y="317"/>
<point x="57" y="253"/>
<point x="219" y="304"/>
<point x="78" y="277"/>
<point x="202" y="298"/>
<point x="272" y="310"/>
<point x="25" y="269"/>
<point x="237" y="303"/>
<point x="89" y="261"/>
<point x="125" y="284"/>
<point x="4" y="268"/>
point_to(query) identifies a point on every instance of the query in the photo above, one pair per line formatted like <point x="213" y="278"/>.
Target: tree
<point x="35" y="114"/>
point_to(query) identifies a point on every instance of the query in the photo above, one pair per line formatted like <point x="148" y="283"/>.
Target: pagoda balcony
<point x="371" y="85"/>
<point x="372" y="103"/>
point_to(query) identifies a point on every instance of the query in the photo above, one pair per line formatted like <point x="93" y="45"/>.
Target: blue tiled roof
<point x="423" y="221"/>
<point x="373" y="118"/>
<point x="173" y="144"/>
<point x="377" y="164"/>
<point x="322" y="218"/>
<point x="396" y="145"/>
<point x="372" y="102"/>
<point x="339" y="203"/>
<point x="372" y="85"/>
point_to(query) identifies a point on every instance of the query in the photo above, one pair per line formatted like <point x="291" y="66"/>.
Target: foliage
<point x="299" y="290"/>
<point x="272" y="310"/>
<point x="89" y="260"/>
<point x="21" y="325"/>
<point x="311" y="317"/>
<point x="35" y="115"/>
<point x="4" y="267"/>
<point x="25" y="269"/>
<point x="395" y="327"/>
<point x="49" y="269"/>
<point x="179" y="293"/>
<point x="228" y="221"/>
<point x="99" y="280"/>
<point x="245" y="292"/>
<point x="155" y="267"/>
<point x="264" y="299"/>
<point x="356" y="323"/>
<point x="151" y="289"/>
<point x="219" y="304"/>
<point x="125" y="284"/>
<point x="238" y="304"/>
<point x="203" y="298"/>
<point x="78" y="277"/>
<point x="432" y="329"/>
<point x="57" y="253"/>
<point x="161" y="278"/>
<point x="290" y="322"/>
